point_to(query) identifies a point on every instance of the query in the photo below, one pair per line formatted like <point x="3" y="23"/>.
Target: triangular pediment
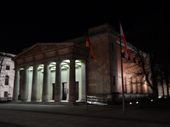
<point x="40" y="48"/>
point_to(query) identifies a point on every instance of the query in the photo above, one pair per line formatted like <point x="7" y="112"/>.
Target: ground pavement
<point x="44" y="115"/>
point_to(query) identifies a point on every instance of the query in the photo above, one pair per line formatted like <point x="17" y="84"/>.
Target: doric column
<point x="57" y="82"/>
<point x="24" y="96"/>
<point x="72" y="85"/>
<point x="34" y="83"/>
<point x="16" y="85"/>
<point x="45" y="94"/>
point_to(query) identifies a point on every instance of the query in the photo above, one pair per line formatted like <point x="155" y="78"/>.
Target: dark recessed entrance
<point x="64" y="91"/>
<point x="77" y="90"/>
<point x="53" y="90"/>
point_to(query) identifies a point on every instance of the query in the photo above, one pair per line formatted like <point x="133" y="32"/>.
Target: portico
<point x="50" y="72"/>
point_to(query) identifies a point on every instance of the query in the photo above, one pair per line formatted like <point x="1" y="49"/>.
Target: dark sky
<point x="23" y="24"/>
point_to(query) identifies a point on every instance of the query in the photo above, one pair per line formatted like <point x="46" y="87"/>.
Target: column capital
<point x="35" y="65"/>
<point x="72" y="58"/>
<point x="46" y="63"/>
<point x="25" y="67"/>
<point x="17" y="68"/>
<point x="58" y="60"/>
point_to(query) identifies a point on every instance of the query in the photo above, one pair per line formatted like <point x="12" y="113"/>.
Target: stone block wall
<point x="99" y="72"/>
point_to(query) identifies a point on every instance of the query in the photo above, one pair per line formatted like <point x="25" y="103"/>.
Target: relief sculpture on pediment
<point x="48" y="47"/>
<point x="38" y="50"/>
<point x="72" y="49"/>
<point x="44" y="48"/>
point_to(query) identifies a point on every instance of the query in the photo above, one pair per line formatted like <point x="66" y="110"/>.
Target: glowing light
<point x="30" y="68"/>
<point x="66" y="61"/>
<point x="137" y="102"/>
<point x="130" y="103"/>
<point x="54" y="63"/>
<point x="51" y="65"/>
<point x="63" y="63"/>
<point x="40" y="67"/>
<point x="63" y="67"/>
<point x="77" y="61"/>
<point x="151" y="100"/>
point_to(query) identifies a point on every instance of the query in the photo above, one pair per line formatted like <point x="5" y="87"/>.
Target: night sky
<point x="146" y="23"/>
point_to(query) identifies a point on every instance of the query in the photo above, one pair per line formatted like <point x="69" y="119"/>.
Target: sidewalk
<point x="133" y="113"/>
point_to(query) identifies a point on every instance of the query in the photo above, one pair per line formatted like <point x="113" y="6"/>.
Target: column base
<point x="46" y="101"/>
<point x="25" y="101"/>
<point x="35" y="101"/>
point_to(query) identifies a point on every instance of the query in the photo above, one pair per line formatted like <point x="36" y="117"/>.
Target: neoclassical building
<point x="60" y="72"/>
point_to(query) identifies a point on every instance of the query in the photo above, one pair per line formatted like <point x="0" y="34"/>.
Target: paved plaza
<point x="43" y="115"/>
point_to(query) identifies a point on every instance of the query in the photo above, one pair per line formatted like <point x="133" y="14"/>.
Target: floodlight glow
<point x="137" y="102"/>
<point x="77" y="61"/>
<point x="66" y="61"/>
<point x="40" y="67"/>
<point x="66" y="65"/>
<point x="151" y="99"/>
<point x="53" y="63"/>
<point x="63" y="63"/>
<point x="130" y="103"/>
<point x="30" y="68"/>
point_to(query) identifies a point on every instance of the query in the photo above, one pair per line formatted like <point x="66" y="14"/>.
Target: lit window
<point x="6" y="80"/>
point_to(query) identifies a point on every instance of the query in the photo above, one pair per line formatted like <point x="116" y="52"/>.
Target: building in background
<point x="6" y="75"/>
<point x="59" y="72"/>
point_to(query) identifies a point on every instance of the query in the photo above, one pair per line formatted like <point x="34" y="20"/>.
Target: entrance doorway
<point x="64" y="91"/>
<point x="77" y="90"/>
<point x="53" y="90"/>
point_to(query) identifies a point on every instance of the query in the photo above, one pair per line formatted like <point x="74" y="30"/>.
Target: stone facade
<point x="104" y="76"/>
<point x="6" y="75"/>
<point x="59" y="72"/>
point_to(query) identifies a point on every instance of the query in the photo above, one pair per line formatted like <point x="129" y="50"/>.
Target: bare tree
<point x="142" y="69"/>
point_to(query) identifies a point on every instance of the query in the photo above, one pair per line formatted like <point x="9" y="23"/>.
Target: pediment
<point x="41" y="48"/>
